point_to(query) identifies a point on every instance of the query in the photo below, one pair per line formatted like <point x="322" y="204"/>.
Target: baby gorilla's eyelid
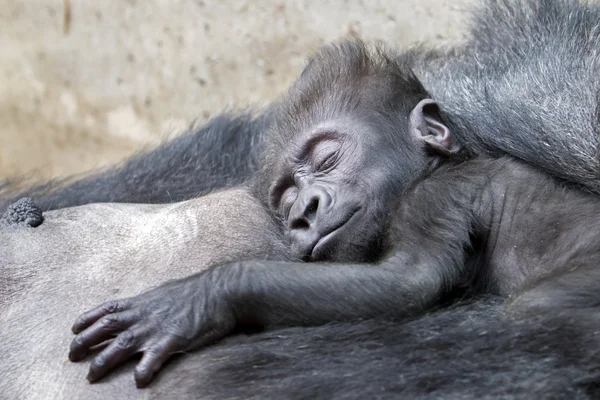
<point x="328" y="162"/>
<point x="326" y="156"/>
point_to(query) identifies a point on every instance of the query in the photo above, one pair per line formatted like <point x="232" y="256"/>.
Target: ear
<point x="426" y="125"/>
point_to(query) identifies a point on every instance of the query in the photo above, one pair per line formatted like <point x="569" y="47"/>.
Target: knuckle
<point x="141" y="371"/>
<point x="80" y="342"/>
<point x="156" y="350"/>
<point x="125" y="340"/>
<point x="98" y="363"/>
<point x="110" y="322"/>
<point x="111" y="307"/>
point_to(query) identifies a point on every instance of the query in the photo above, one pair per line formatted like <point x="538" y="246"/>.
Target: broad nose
<point x="310" y="203"/>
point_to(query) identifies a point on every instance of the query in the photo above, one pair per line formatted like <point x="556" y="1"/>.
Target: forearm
<point x="272" y="293"/>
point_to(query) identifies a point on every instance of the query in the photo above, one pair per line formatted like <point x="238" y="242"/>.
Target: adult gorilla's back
<point x="84" y="255"/>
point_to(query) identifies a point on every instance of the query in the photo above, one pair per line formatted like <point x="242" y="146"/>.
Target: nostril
<point x="308" y="216"/>
<point x="299" y="223"/>
<point x="311" y="209"/>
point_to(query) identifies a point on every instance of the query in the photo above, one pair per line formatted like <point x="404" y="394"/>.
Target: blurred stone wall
<point x="85" y="83"/>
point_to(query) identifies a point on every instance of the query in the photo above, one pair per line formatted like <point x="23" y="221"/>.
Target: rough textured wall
<point x="85" y="83"/>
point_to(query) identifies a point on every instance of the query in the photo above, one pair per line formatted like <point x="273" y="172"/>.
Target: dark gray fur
<point x="461" y="227"/>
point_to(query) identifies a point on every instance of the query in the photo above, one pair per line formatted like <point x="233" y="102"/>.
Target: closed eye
<point x="325" y="155"/>
<point x="327" y="163"/>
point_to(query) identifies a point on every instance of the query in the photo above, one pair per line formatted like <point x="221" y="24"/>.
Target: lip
<point x="327" y="238"/>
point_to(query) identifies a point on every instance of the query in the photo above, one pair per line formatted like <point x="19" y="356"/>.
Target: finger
<point x="105" y="328"/>
<point x="155" y="356"/>
<point x="88" y="318"/>
<point x="124" y="346"/>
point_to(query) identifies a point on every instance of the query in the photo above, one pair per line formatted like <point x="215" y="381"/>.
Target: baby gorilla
<point x="372" y="188"/>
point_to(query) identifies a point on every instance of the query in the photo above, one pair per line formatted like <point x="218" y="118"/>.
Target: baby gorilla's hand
<point x="175" y="317"/>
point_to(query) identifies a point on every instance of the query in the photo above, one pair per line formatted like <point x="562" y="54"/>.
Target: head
<point x="352" y="134"/>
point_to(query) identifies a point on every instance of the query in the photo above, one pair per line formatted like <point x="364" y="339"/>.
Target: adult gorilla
<point x="504" y="92"/>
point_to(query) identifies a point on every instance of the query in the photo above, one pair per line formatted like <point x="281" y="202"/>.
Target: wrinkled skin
<point x="159" y="339"/>
<point x="329" y="192"/>
<point x="336" y="191"/>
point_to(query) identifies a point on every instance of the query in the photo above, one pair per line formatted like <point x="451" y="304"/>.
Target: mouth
<point x="323" y="241"/>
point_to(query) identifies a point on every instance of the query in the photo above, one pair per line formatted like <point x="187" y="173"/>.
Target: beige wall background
<point x="85" y="83"/>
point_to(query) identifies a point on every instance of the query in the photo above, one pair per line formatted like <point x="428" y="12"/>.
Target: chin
<point x="356" y="242"/>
